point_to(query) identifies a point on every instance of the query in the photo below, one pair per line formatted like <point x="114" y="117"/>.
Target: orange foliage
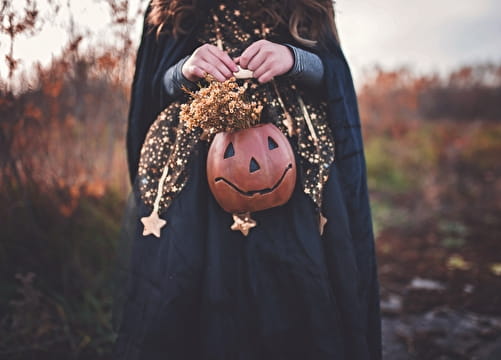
<point x="65" y="134"/>
<point x="396" y="102"/>
<point x="434" y="141"/>
<point x="107" y="61"/>
<point x="31" y="111"/>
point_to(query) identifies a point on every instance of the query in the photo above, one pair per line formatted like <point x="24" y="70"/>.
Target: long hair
<point x="309" y="21"/>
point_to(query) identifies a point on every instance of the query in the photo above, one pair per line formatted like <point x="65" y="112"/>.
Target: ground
<point x="440" y="302"/>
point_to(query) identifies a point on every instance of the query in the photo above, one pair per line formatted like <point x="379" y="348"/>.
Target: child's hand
<point x="266" y="59"/>
<point x="208" y="59"/>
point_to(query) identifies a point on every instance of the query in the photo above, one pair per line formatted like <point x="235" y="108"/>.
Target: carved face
<point x="251" y="169"/>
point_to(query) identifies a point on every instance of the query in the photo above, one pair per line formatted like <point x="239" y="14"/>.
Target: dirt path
<point x="443" y="334"/>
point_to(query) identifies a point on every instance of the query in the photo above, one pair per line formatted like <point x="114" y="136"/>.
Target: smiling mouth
<point x="254" y="192"/>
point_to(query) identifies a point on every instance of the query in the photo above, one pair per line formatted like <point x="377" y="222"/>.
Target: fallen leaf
<point x="495" y="269"/>
<point x="456" y="262"/>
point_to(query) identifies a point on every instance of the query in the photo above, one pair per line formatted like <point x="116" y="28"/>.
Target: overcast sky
<point x="427" y="35"/>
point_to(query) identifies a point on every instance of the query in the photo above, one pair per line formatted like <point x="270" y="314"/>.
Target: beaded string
<point x="289" y="124"/>
<point x="307" y="119"/>
<point x="160" y="190"/>
<point x="323" y="179"/>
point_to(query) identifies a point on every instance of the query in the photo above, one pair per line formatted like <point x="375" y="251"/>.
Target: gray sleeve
<point x="307" y="69"/>
<point x="174" y="80"/>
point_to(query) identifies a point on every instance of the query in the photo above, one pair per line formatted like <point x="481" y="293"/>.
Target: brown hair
<point x="308" y="20"/>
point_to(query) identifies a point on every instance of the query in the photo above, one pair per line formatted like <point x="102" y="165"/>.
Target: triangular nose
<point x="253" y="166"/>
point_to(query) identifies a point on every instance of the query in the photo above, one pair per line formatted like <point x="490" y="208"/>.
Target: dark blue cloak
<point x="204" y="292"/>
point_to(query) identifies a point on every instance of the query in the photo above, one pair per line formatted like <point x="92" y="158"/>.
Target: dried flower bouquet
<point x="219" y="107"/>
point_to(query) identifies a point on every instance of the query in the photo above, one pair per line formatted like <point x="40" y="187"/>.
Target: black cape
<point x="208" y="263"/>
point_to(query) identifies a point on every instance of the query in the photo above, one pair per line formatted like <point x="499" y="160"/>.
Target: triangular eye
<point x="230" y="151"/>
<point x="271" y="143"/>
<point x="253" y="165"/>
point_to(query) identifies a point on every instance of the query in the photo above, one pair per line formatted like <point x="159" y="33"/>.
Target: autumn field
<point x="432" y="148"/>
<point x="432" y="145"/>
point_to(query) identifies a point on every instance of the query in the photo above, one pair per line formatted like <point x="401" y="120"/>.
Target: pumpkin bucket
<point x="251" y="169"/>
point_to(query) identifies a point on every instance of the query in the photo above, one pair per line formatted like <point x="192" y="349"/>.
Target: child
<point x="303" y="283"/>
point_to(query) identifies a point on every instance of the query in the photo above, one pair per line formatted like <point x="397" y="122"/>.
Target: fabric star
<point x="243" y="223"/>
<point x="153" y="224"/>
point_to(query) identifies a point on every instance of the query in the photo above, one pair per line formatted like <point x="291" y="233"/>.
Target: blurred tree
<point x="14" y="22"/>
<point x="22" y="19"/>
<point x="471" y="92"/>
<point x="124" y="15"/>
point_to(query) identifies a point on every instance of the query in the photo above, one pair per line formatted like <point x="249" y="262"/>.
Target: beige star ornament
<point x="153" y="224"/>
<point x="243" y="223"/>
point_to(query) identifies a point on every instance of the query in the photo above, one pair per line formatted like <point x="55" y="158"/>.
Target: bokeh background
<point x="428" y="76"/>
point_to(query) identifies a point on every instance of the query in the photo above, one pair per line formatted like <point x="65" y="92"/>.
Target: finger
<point x="267" y="76"/>
<point x="212" y="70"/>
<point x="258" y="60"/>
<point x="216" y="62"/>
<point x="249" y="53"/>
<point x="197" y="72"/>
<point x="263" y="68"/>
<point x="192" y="72"/>
<point x="224" y="58"/>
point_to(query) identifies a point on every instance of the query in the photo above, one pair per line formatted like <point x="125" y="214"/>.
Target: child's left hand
<point x="266" y="59"/>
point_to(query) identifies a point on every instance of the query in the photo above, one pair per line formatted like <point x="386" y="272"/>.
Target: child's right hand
<point x="208" y="59"/>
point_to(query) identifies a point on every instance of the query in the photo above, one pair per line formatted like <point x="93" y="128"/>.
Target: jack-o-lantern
<point x="251" y="169"/>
